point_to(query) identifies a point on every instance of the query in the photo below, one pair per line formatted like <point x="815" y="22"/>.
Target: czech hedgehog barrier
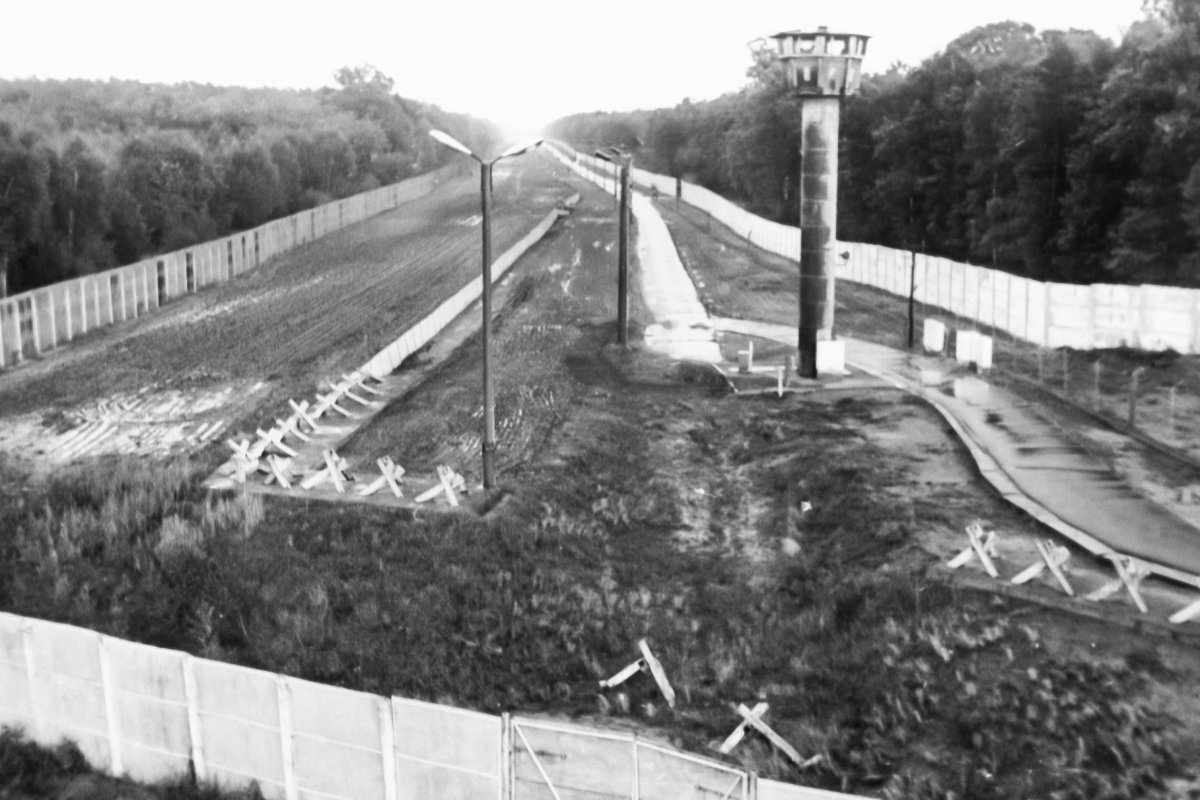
<point x="42" y="319"/>
<point x="1083" y="317"/>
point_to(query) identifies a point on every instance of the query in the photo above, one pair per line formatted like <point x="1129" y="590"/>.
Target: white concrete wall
<point x="412" y="340"/>
<point x="66" y="310"/>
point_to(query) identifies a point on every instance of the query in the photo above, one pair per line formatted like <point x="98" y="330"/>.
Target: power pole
<point x="489" y="389"/>
<point x="624" y="163"/>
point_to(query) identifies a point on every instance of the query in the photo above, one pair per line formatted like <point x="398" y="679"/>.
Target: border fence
<point x="149" y="713"/>
<point x="36" y="321"/>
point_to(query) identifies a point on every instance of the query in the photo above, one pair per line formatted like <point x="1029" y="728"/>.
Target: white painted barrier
<point x="40" y="320"/>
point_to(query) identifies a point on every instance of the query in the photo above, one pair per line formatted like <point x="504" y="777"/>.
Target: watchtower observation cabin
<point x="822" y="63"/>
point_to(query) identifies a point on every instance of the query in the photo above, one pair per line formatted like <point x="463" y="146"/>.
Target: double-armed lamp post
<point x="821" y="68"/>
<point x="623" y="160"/>
<point x="489" y="394"/>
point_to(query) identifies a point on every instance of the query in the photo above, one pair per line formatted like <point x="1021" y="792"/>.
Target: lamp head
<point x="451" y="142"/>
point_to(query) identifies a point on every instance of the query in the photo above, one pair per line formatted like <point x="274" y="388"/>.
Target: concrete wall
<point x="39" y="321"/>
<point x="1050" y="314"/>
<point x="416" y="337"/>
<point x="147" y="713"/>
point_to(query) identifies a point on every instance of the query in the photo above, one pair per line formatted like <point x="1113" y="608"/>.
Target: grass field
<point x="768" y="549"/>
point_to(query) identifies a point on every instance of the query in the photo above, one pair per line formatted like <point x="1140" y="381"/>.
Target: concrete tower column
<point x="818" y="226"/>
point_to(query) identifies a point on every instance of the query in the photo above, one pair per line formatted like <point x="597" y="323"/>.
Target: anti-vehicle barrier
<point x="1084" y="317"/>
<point x="148" y="714"/>
<point x="40" y="320"/>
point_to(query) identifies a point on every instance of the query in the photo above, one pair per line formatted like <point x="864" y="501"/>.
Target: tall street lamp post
<point x="489" y="393"/>
<point x="821" y="67"/>
<point x="625" y="162"/>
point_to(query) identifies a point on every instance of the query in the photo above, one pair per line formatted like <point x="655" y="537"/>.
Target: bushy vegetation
<point x="1052" y="154"/>
<point x="132" y="548"/>
<point x="95" y="174"/>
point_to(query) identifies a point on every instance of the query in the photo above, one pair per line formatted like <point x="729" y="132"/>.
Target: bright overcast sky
<point x="519" y="62"/>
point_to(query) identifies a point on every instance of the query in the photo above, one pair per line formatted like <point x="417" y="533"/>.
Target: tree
<point x="762" y="152"/>
<point x="79" y="193"/>
<point x="664" y="139"/>
<point x="287" y="167"/>
<point x="328" y="163"/>
<point x="1048" y="112"/>
<point x="251" y="187"/>
<point x="173" y="185"/>
<point x="1126" y="212"/>
<point x="24" y="207"/>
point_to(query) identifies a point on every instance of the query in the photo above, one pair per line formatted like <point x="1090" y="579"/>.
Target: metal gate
<point x="551" y="761"/>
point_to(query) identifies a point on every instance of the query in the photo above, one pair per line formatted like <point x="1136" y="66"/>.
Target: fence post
<point x="387" y="747"/>
<point x="82" y="306"/>
<point x="283" y="691"/>
<point x="53" y="318"/>
<point x="111" y="712"/>
<point x="1133" y="393"/>
<point x="133" y="290"/>
<point x="1066" y="371"/>
<point x="96" y="303"/>
<point x="33" y="318"/>
<point x="1041" y="364"/>
<point x="195" y="732"/>
<point x="1171" y="409"/>
<point x="1097" y="368"/>
<point x="636" y="788"/>
<point x="67" y="309"/>
<point x="31" y="677"/>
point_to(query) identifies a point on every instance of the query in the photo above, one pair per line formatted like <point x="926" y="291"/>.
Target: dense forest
<point x="96" y="174"/>
<point x="1058" y="155"/>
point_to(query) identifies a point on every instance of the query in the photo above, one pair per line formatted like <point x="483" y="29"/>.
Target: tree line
<point x="95" y="174"/>
<point x="1057" y="155"/>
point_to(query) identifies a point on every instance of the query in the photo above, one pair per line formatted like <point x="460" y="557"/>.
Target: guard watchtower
<point x="821" y="68"/>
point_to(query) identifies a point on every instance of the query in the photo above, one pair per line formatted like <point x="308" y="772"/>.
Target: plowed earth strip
<point x="307" y="315"/>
